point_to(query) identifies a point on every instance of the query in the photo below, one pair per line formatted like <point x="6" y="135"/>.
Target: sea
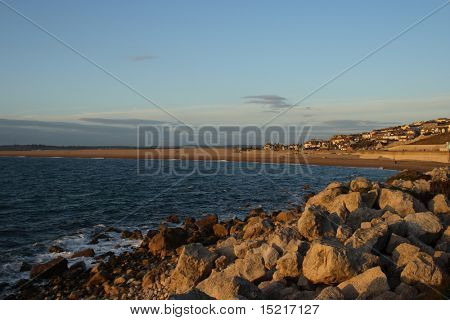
<point x="65" y="201"/>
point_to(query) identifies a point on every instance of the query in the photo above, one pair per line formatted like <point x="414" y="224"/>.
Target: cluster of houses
<point x="373" y="140"/>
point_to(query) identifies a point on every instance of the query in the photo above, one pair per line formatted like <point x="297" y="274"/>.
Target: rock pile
<point x="356" y="240"/>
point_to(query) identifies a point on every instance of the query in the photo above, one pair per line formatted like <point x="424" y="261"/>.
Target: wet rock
<point x="369" y="283"/>
<point x="24" y="267"/>
<point x="55" y="249"/>
<point x="315" y="224"/>
<point x="167" y="239"/>
<point x="373" y="238"/>
<point x="173" y="219"/>
<point x="330" y="293"/>
<point x="424" y="225"/>
<point x="220" y="230"/>
<point x="423" y="273"/>
<point x="399" y="202"/>
<point x="327" y="262"/>
<point x="225" y="286"/>
<point x="205" y="224"/>
<point x="98" y="278"/>
<point x="88" y="252"/>
<point x="439" y="204"/>
<point x="49" y="269"/>
<point x="194" y="265"/>
<point x="135" y="235"/>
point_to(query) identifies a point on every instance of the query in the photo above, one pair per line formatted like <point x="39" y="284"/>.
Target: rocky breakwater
<point x="354" y="240"/>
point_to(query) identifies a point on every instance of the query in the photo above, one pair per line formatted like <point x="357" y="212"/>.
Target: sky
<point x="211" y="62"/>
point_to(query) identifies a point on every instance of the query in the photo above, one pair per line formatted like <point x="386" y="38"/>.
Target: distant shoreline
<point x="323" y="158"/>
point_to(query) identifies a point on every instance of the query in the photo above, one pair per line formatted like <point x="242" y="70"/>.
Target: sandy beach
<point x="325" y="158"/>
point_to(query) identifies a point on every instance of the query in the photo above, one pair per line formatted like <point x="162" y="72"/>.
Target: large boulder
<point x="206" y="223"/>
<point x="251" y="267"/>
<point x="424" y="225"/>
<point x="360" y="184"/>
<point x="374" y="238"/>
<point x="315" y="224"/>
<point x="257" y="226"/>
<point x="404" y="253"/>
<point x="326" y="197"/>
<point x="195" y="264"/>
<point x="439" y="204"/>
<point x="49" y="269"/>
<point x="282" y="238"/>
<point x="368" y="284"/>
<point x="167" y="239"/>
<point x="225" y="285"/>
<point x="226" y="248"/>
<point x="420" y="186"/>
<point x="423" y="273"/>
<point x="351" y="201"/>
<point x="327" y="262"/>
<point x="399" y="202"/>
<point x="288" y="266"/>
<point x="88" y="252"/>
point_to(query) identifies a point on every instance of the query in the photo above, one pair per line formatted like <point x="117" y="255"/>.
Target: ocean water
<point x="59" y="201"/>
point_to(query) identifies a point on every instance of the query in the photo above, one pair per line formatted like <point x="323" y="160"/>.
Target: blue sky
<point x="199" y="59"/>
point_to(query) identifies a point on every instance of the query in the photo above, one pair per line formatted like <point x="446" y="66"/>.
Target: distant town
<point x="378" y="139"/>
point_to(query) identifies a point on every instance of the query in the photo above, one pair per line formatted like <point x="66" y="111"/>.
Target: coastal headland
<point x="398" y="160"/>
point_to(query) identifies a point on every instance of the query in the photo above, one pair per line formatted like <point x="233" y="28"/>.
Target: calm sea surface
<point x="45" y="201"/>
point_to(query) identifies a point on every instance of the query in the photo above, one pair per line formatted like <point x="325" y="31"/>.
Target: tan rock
<point x="315" y="224"/>
<point x="424" y="225"/>
<point x="399" y="202"/>
<point x="422" y="272"/>
<point x="327" y="262"/>
<point x="289" y="265"/>
<point x="404" y="253"/>
<point x="194" y="265"/>
<point x="369" y="283"/>
<point x="439" y="204"/>
<point x="225" y="286"/>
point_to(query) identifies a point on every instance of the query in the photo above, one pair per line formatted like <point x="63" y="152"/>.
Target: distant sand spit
<point x="326" y="158"/>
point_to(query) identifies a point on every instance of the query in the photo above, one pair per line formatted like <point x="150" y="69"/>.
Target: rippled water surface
<point x="46" y="201"/>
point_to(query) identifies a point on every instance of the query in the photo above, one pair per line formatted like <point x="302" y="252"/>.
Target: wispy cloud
<point x="269" y="100"/>
<point x="128" y="122"/>
<point x="142" y="58"/>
